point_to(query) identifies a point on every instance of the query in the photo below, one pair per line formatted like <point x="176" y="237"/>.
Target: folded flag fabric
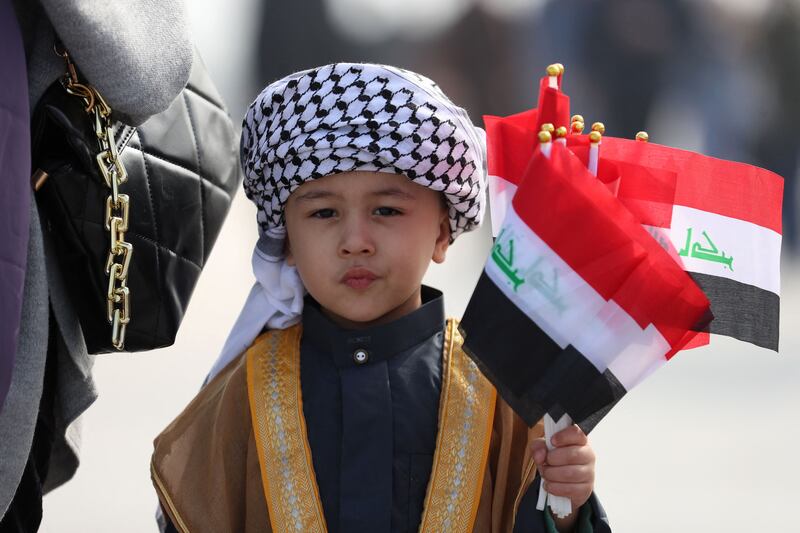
<point x="725" y="225"/>
<point x="553" y="105"/>
<point x="510" y="142"/>
<point x="605" y="261"/>
<point x="577" y="303"/>
<point x="728" y="212"/>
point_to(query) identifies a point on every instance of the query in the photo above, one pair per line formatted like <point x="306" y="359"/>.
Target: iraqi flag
<point x="577" y="303"/>
<point x="732" y="209"/>
<point x="510" y="143"/>
<point x="724" y="226"/>
<point x="511" y="140"/>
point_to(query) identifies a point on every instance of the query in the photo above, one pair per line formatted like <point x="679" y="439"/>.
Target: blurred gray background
<point x="708" y="442"/>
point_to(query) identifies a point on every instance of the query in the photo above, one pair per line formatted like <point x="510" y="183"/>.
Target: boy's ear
<point x="442" y="240"/>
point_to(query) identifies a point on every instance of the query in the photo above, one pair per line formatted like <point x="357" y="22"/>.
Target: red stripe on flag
<point x="510" y="142"/>
<point x="648" y="193"/>
<point x="553" y="106"/>
<point x="603" y="243"/>
<point x="701" y="339"/>
<point x="727" y="188"/>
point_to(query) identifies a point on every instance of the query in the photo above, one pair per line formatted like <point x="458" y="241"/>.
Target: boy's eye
<point x="386" y="211"/>
<point x="323" y="213"/>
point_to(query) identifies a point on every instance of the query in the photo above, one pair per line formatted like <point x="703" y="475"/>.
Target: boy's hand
<point x="567" y="469"/>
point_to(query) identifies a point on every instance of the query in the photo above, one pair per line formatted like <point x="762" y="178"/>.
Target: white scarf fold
<point x="274" y="302"/>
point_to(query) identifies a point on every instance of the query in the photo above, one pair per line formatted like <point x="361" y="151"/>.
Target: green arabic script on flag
<point x="505" y="261"/>
<point x="537" y="276"/>
<point x="704" y="253"/>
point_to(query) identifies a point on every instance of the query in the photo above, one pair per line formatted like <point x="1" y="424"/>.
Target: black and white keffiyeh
<point x="344" y="117"/>
<point x="340" y="118"/>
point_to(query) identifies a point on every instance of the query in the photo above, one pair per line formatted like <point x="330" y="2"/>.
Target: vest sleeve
<point x="509" y="470"/>
<point x="591" y="515"/>
<point x="205" y="466"/>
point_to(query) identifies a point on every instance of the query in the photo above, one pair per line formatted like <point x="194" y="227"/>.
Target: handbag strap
<point x="117" y="208"/>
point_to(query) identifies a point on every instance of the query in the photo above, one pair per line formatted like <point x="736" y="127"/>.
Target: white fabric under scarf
<point x="274" y="302"/>
<point x="340" y="118"/>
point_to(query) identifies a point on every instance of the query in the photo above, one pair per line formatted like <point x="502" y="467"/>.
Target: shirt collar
<point x="379" y="342"/>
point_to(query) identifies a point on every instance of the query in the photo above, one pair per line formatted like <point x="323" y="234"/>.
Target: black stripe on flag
<point x="741" y="311"/>
<point x="532" y="373"/>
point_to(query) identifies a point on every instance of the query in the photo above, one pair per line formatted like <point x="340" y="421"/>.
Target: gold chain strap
<point x="117" y="204"/>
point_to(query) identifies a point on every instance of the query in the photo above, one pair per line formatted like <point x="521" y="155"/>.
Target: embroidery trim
<point x="177" y="519"/>
<point x="276" y="407"/>
<point x="466" y="415"/>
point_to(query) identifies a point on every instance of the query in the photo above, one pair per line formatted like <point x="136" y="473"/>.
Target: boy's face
<point x="361" y="242"/>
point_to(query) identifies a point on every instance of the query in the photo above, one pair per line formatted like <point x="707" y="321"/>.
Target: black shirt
<point x="371" y="404"/>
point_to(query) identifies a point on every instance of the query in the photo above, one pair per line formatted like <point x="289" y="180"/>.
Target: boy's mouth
<point x="359" y="278"/>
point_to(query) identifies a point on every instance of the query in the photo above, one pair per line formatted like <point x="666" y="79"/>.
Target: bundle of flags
<point x="610" y="256"/>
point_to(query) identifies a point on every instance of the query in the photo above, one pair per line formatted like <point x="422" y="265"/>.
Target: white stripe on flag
<point x="501" y="192"/>
<point x="564" y="306"/>
<point x="717" y="245"/>
<point x="630" y="353"/>
<point x="640" y="359"/>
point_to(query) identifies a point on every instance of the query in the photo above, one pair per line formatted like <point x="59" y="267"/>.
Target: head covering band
<point x="345" y="117"/>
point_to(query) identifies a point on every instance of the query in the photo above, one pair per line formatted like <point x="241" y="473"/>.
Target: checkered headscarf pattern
<point x="351" y="116"/>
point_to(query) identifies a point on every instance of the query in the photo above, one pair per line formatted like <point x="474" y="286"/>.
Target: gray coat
<point x="138" y="55"/>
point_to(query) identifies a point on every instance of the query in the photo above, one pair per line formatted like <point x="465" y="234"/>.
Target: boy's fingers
<point x="568" y="474"/>
<point x="571" y="436"/>
<point x="571" y="455"/>
<point x="577" y="492"/>
<point x="539" y="449"/>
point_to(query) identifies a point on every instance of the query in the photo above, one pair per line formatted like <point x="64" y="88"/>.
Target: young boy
<point x="357" y="410"/>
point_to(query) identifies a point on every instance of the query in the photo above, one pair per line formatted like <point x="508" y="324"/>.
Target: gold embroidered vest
<point x="466" y="411"/>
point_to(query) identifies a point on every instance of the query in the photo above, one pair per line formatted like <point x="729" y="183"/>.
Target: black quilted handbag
<point x="182" y="171"/>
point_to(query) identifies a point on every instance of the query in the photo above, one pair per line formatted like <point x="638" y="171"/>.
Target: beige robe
<point x="206" y="471"/>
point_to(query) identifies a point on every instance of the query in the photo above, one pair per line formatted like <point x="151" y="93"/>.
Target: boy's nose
<point x="356" y="239"/>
